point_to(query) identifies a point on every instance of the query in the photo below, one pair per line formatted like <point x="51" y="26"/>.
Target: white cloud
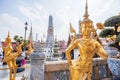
<point x="6" y="18"/>
<point x="63" y="12"/>
<point x="11" y="24"/>
<point x="104" y="9"/>
<point x="28" y="13"/>
<point x="38" y="6"/>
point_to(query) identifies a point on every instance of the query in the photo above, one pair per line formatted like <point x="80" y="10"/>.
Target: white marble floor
<point x="4" y="74"/>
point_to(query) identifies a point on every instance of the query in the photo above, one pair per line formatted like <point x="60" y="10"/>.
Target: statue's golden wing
<point x="72" y="30"/>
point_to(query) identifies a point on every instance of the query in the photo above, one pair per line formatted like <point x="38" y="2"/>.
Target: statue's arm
<point x="68" y="50"/>
<point x="101" y="51"/>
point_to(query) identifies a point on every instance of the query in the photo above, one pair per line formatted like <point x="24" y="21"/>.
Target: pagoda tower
<point x="56" y="48"/>
<point x="42" y="43"/>
<point x="37" y="47"/>
<point x="30" y="35"/>
<point x="50" y="34"/>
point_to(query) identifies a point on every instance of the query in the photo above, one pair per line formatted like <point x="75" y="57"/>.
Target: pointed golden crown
<point x="8" y="39"/>
<point x="86" y="15"/>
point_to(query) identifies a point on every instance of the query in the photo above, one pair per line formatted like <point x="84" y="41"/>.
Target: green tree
<point x="18" y="38"/>
<point x="113" y="21"/>
<point x="107" y="33"/>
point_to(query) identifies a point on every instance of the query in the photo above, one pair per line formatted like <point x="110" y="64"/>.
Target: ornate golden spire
<point x="8" y="34"/>
<point x="86" y="15"/>
<point x="8" y="39"/>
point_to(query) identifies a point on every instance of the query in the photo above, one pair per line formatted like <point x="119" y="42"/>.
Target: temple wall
<point x="58" y="70"/>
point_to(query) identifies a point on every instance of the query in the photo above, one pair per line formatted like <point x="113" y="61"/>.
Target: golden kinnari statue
<point x="10" y="56"/>
<point x="30" y="49"/>
<point x="88" y="45"/>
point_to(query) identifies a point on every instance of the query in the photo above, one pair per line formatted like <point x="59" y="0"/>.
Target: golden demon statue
<point x="88" y="45"/>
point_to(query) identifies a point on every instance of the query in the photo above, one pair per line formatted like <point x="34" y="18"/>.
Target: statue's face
<point x="86" y="28"/>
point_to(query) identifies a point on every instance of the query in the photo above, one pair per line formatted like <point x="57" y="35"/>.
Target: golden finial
<point x="8" y="34"/>
<point x="86" y="15"/>
<point x="8" y="39"/>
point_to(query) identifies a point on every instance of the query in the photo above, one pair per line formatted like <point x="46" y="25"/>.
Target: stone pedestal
<point x="37" y="66"/>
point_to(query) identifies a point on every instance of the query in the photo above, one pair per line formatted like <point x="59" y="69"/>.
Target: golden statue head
<point x="87" y="27"/>
<point x="8" y="39"/>
<point x="87" y="24"/>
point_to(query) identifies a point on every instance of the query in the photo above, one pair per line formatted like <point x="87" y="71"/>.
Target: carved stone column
<point x="37" y="66"/>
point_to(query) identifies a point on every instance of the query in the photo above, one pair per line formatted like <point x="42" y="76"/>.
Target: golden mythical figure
<point x="10" y="56"/>
<point x="29" y="47"/>
<point x="88" y="45"/>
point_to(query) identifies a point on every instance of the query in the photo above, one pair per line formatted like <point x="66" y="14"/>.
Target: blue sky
<point x="14" y="13"/>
